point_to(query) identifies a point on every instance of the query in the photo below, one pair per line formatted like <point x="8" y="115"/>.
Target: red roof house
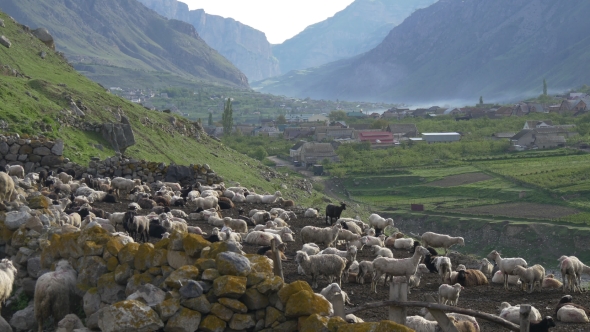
<point x="376" y="138"/>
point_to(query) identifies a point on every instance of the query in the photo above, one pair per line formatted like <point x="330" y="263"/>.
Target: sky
<point x="278" y="19"/>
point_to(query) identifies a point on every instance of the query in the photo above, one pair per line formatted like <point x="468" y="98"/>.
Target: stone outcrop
<point x="44" y="36"/>
<point x="5" y="42"/>
<point x="119" y="135"/>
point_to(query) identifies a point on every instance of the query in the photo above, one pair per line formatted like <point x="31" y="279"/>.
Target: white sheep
<point x="498" y="278"/>
<point x="379" y="222"/>
<point x="310" y="213"/>
<point x="126" y="185"/>
<point x="365" y="269"/>
<point x="349" y="253"/>
<point x="238" y="198"/>
<point x="179" y="213"/>
<point x="415" y="279"/>
<point x="571" y="314"/>
<point x="16" y="170"/>
<point x="486" y="267"/>
<point x="173" y="224"/>
<point x="269" y="199"/>
<point x="204" y="203"/>
<point x="116" y="218"/>
<point x="512" y="313"/>
<point x="254" y="198"/>
<point x="327" y="235"/>
<point x="214" y="220"/>
<point x="260" y="217"/>
<point x="449" y="294"/>
<point x="229" y="194"/>
<point x="506" y="265"/>
<point x="372" y="241"/>
<point x="531" y="276"/>
<point x="346" y="235"/>
<point x="53" y="292"/>
<point x="351" y="225"/>
<point x="7" y="274"/>
<point x="261" y="238"/>
<point x="571" y="272"/>
<point x="420" y="324"/>
<point x="397" y="267"/>
<point x="443" y="265"/>
<point x="441" y="241"/>
<point x="379" y="251"/>
<point x="404" y="243"/>
<point x="209" y="193"/>
<point x="311" y="248"/>
<point x="330" y="266"/>
<point x="332" y="291"/>
<point x="254" y="211"/>
<point x="457" y="317"/>
<point x="64" y="177"/>
<point x="238" y="225"/>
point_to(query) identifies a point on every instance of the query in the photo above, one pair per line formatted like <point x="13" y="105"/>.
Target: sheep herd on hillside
<point x="73" y="205"/>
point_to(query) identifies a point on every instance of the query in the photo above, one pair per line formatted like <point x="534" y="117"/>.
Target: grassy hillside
<point x="29" y="104"/>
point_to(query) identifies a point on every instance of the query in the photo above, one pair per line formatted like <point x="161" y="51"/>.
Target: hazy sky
<point x="278" y="19"/>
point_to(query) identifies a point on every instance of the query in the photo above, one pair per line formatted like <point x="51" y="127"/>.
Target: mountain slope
<point x="247" y="48"/>
<point x="461" y="49"/>
<point x="124" y="33"/>
<point x="352" y="31"/>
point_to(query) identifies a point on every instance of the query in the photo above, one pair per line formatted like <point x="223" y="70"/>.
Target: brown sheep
<point x="6" y="187"/>
<point x="225" y="203"/>
<point x="550" y="282"/>
<point x="161" y="201"/>
<point x="288" y="203"/>
<point x="471" y="278"/>
<point x="145" y="203"/>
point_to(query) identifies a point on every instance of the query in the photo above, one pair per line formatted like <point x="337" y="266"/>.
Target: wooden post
<point x="278" y="264"/>
<point x="443" y="320"/>
<point x="398" y="291"/>
<point x="525" y="320"/>
<point x="338" y="305"/>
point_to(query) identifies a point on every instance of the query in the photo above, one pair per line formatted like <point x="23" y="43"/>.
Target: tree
<point x="379" y="124"/>
<point x="337" y="116"/>
<point x="481" y="100"/>
<point x="227" y="119"/>
<point x="210" y="122"/>
<point x="259" y="154"/>
<point x="281" y="119"/>
<point x="544" y="87"/>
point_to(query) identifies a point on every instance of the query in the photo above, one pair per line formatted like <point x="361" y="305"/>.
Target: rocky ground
<point x="483" y="298"/>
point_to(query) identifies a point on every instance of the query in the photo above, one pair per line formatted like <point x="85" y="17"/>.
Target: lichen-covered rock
<point x="176" y="241"/>
<point x="335" y="322"/>
<point x="185" y="320"/>
<point x="273" y="315"/>
<point x="15" y="219"/>
<point x="221" y="311"/>
<point x="167" y="308"/>
<point x="144" y="257"/>
<point x="129" y="316"/>
<point x="235" y="305"/>
<point x="110" y="291"/>
<point x="383" y="326"/>
<point x="136" y="281"/>
<point x="255" y="278"/>
<point x="230" y="263"/>
<point x="162" y="244"/>
<point x="112" y="264"/>
<point x="148" y="294"/>
<point x="261" y="264"/>
<point x="254" y="300"/>
<point x="92" y="301"/>
<point x="212" y="323"/>
<point x="122" y="273"/>
<point x="91" y="269"/>
<point x="94" y="234"/>
<point x="115" y="245"/>
<point x="190" y="289"/>
<point x="241" y="322"/>
<point x="127" y="254"/>
<point x="4" y="326"/>
<point x="292" y="288"/>
<point x="219" y="247"/>
<point x="210" y="274"/>
<point x="160" y="257"/>
<point x="288" y="326"/>
<point x="90" y="248"/>
<point x="186" y="272"/>
<point x="177" y="259"/>
<point x="204" y="264"/>
<point x="273" y="284"/>
<point x="229" y="286"/>
<point x="193" y="244"/>
<point x="200" y="304"/>
<point x="39" y="202"/>
<point x="305" y="303"/>
<point x="315" y="323"/>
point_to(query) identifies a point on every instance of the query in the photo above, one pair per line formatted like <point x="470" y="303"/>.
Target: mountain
<point x="460" y="50"/>
<point x="352" y="31"/>
<point x="247" y="48"/>
<point x="97" y="35"/>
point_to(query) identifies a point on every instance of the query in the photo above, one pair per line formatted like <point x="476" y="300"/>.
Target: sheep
<point x="371" y="241"/>
<point x="352" y="319"/>
<point x="571" y="314"/>
<point x="571" y="272"/>
<point x="171" y="224"/>
<point x="506" y="265"/>
<point x="334" y="212"/>
<point x="379" y="251"/>
<point x="550" y="282"/>
<point x="285" y="233"/>
<point x="405" y="243"/>
<point x="327" y="235"/>
<point x="119" y="183"/>
<point x="441" y="241"/>
<point x="532" y="275"/>
<point x="542" y="326"/>
<point x="261" y="238"/>
<point x="16" y="170"/>
<point x="225" y="203"/>
<point x="349" y="253"/>
<point x="267" y="251"/>
<point x="346" y="235"/>
<point x="567" y="300"/>
<point x="254" y="198"/>
<point x="498" y="278"/>
<point x="460" y="267"/>
<point x="350" y="225"/>
<point x="213" y="220"/>
<point x="64" y="177"/>
<point x="7" y="274"/>
<point x="379" y="223"/>
<point x="443" y="266"/>
<point x="75" y="220"/>
<point x="470" y="325"/>
<point x="238" y="198"/>
<point x="486" y="267"/>
<point x="204" y="203"/>
<point x="470" y="278"/>
<point x="310" y="249"/>
<point x="365" y="270"/>
<point x="270" y="199"/>
<point x="397" y="267"/>
<point x="195" y="230"/>
<point x="449" y="294"/>
<point x="6" y="187"/>
<point x="53" y="293"/>
<point x="415" y="279"/>
<point x="390" y="240"/>
<point x="330" y="266"/>
<point x="429" y="260"/>
<point x="110" y="198"/>
<point x="286" y="202"/>
<point x="237" y="225"/>
<point x="512" y="313"/>
<point x="137" y="226"/>
<point x="310" y="213"/>
<point x="156" y="229"/>
<point x="420" y="324"/>
<point x="332" y="291"/>
<point x="260" y="217"/>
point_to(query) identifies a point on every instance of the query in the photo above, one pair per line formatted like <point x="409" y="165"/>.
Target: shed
<point x="441" y="137"/>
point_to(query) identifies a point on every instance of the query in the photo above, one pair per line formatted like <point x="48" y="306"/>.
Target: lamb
<point x="346" y="235"/>
<point x="571" y="272"/>
<point x="420" y="324"/>
<point x="330" y="266"/>
<point x="350" y="225"/>
<point x="16" y="170"/>
<point x="498" y="278"/>
<point x="397" y="267"/>
<point x="285" y="233"/>
<point x="7" y="274"/>
<point x="486" y="267"/>
<point x="441" y="241"/>
<point x="365" y="270"/>
<point x="327" y="235"/>
<point x="470" y="278"/>
<point x="506" y="265"/>
<point x="123" y="184"/>
<point x="53" y="293"/>
<point x="449" y="294"/>
<point x="379" y="223"/>
<point x="310" y="213"/>
<point x="372" y="241"/>
<point x="415" y="279"/>
<point x="6" y="187"/>
<point x="532" y="275"/>
<point x="542" y="326"/>
<point x="97" y="196"/>
<point x="332" y="291"/>
<point x="254" y="198"/>
<point x="443" y="266"/>
<point x="260" y="217"/>
<point x="261" y="238"/>
<point x="64" y="177"/>
<point x="334" y="212"/>
<point x="379" y="251"/>
<point x="550" y="282"/>
<point x="310" y="249"/>
<point x="172" y="225"/>
<point x="349" y="253"/>
<point x="567" y="300"/>
<point x="204" y="203"/>
<point x="463" y="323"/>
<point x="405" y="243"/>
<point x="286" y="202"/>
<point x="512" y="313"/>
<point x="237" y="225"/>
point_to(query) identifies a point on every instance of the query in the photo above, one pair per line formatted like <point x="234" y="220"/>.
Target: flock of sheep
<point x="73" y="206"/>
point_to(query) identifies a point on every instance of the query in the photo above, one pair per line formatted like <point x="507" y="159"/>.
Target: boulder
<point x="69" y="323"/>
<point x="273" y="284"/>
<point x="136" y="281"/>
<point x="229" y="286"/>
<point x="110" y="291"/>
<point x="127" y="253"/>
<point x="221" y="311"/>
<point x="119" y="135"/>
<point x="181" y="275"/>
<point x="4" y="326"/>
<point x="39" y="202"/>
<point x="180" y="174"/>
<point x="185" y="320"/>
<point x="144" y="257"/>
<point x="167" y="308"/>
<point x="177" y="259"/>
<point x="230" y="263"/>
<point x="129" y="316"/>
<point x="122" y="274"/>
<point x="200" y="304"/>
<point x="4" y="148"/>
<point x="58" y="148"/>
<point x="52" y="161"/>
<point x="190" y="289"/>
<point x="91" y="302"/>
<point x="210" y="275"/>
<point x="292" y="288"/>
<point x="149" y="294"/>
<point x="235" y="305"/>
<point x="212" y="323"/>
<point x="314" y="323"/>
<point x="383" y="326"/>
<point x="34" y="266"/>
<point x="91" y="268"/>
<point x="305" y="303"/>
<point x="43" y="35"/>
<point x="254" y="300"/>
<point x="14" y="219"/>
<point x="42" y="151"/>
<point x="5" y="42"/>
<point x="21" y="320"/>
<point x="261" y="264"/>
<point x="192" y="244"/>
<point x="241" y="322"/>
<point x="273" y="315"/>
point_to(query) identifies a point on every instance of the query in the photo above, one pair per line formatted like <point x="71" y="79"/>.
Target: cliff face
<point x="352" y="31"/>
<point x="245" y="47"/>
<point x="124" y="33"/>
<point x="460" y="50"/>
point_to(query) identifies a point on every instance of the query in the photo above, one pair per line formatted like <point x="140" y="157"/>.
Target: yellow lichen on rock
<point x="115" y="245"/>
<point x="335" y="322"/>
<point x="127" y="254"/>
<point x="261" y="264"/>
<point x="305" y="303"/>
<point x="193" y="244"/>
<point x="229" y="286"/>
<point x="185" y="272"/>
<point x="292" y="288"/>
<point x="144" y="257"/>
<point x="112" y="264"/>
<point x="314" y="323"/>
<point x="212" y="323"/>
<point x="383" y="326"/>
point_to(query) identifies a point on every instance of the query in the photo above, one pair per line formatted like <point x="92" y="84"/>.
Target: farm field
<point x="461" y="179"/>
<point x="522" y="210"/>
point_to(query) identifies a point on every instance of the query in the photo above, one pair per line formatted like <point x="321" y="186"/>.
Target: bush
<point x="259" y="154"/>
<point x="319" y="186"/>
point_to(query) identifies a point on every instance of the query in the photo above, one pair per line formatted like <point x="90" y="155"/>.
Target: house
<point x="525" y="137"/>
<point x="575" y="106"/>
<point x="532" y="124"/>
<point x="499" y="136"/>
<point x="375" y="116"/>
<point x="563" y="130"/>
<point x="356" y="114"/>
<point x="361" y="126"/>
<point x="295" y="151"/>
<point x="549" y="141"/>
<point x="400" y="130"/>
<point x="318" y="118"/>
<point x="504" y="111"/>
<point x="339" y="133"/>
<point x="376" y="138"/>
<point x="292" y="133"/>
<point x="441" y="137"/>
<point x="537" y="108"/>
<point x="313" y="152"/>
<point x="521" y="109"/>
<point x="543" y="138"/>
<point x="453" y="111"/>
<point x="577" y="95"/>
<point x="245" y="129"/>
<point x="267" y="131"/>
<point x="340" y="124"/>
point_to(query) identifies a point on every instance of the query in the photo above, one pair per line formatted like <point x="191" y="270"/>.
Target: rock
<point x="58" y="148"/>
<point x="119" y="135"/>
<point x="180" y="174"/>
<point x="254" y="300"/>
<point x="43" y="35"/>
<point x="288" y="326"/>
<point x="127" y="254"/>
<point x="335" y="322"/>
<point x="182" y="274"/>
<point x="69" y="323"/>
<point x="28" y="287"/>
<point x="241" y="322"/>
<point x="91" y="301"/>
<point x="167" y="308"/>
<point x="200" y="304"/>
<point x="314" y="323"/>
<point x="34" y="224"/>
<point x="190" y="289"/>
<point x="149" y="294"/>
<point x="39" y="202"/>
<point x="34" y="266"/>
<point x="4" y="326"/>
<point x="52" y="161"/>
<point x="21" y="320"/>
<point x="177" y="259"/>
<point x="129" y="316"/>
<point x="92" y="320"/>
<point x="382" y="326"/>
<point x="5" y="42"/>
<point x="2" y="23"/>
<point x="261" y="264"/>
<point x="210" y="275"/>
<point x="110" y="292"/>
<point x="305" y="303"/>
<point x="42" y="151"/>
<point x="212" y="323"/>
<point x="221" y="311"/>
<point x="91" y="269"/>
<point x="235" y="305"/>
<point x="160" y="257"/>
<point x="144" y="257"/>
<point x="229" y="286"/>
<point x="25" y="149"/>
<point x="15" y="219"/>
<point x="192" y="244"/>
<point x="136" y="281"/>
<point x="273" y="315"/>
<point x="273" y="284"/>
<point x="230" y="263"/>
<point x="185" y="320"/>
<point x="205" y="264"/>
<point x="176" y="241"/>
<point x="4" y="148"/>
<point x="122" y="274"/>
<point x="292" y="288"/>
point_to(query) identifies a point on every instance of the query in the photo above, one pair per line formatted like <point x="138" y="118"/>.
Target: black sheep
<point x="127" y="219"/>
<point x="156" y="230"/>
<point x="344" y="225"/>
<point x="110" y="198"/>
<point x="48" y="183"/>
<point x="55" y="194"/>
<point x="43" y="174"/>
<point x="184" y="191"/>
<point x="161" y="209"/>
<point x="334" y="212"/>
<point x="3" y="169"/>
<point x="179" y="202"/>
<point x="428" y="260"/>
<point x="213" y="238"/>
<point x="542" y="326"/>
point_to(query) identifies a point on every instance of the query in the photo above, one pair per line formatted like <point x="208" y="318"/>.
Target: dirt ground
<point x="483" y="298"/>
<point x="460" y="179"/>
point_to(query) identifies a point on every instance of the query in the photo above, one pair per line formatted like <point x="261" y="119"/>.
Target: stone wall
<point x="31" y="153"/>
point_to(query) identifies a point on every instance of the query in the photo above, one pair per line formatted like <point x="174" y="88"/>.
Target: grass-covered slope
<point x="125" y="34"/>
<point x="29" y="104"/>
